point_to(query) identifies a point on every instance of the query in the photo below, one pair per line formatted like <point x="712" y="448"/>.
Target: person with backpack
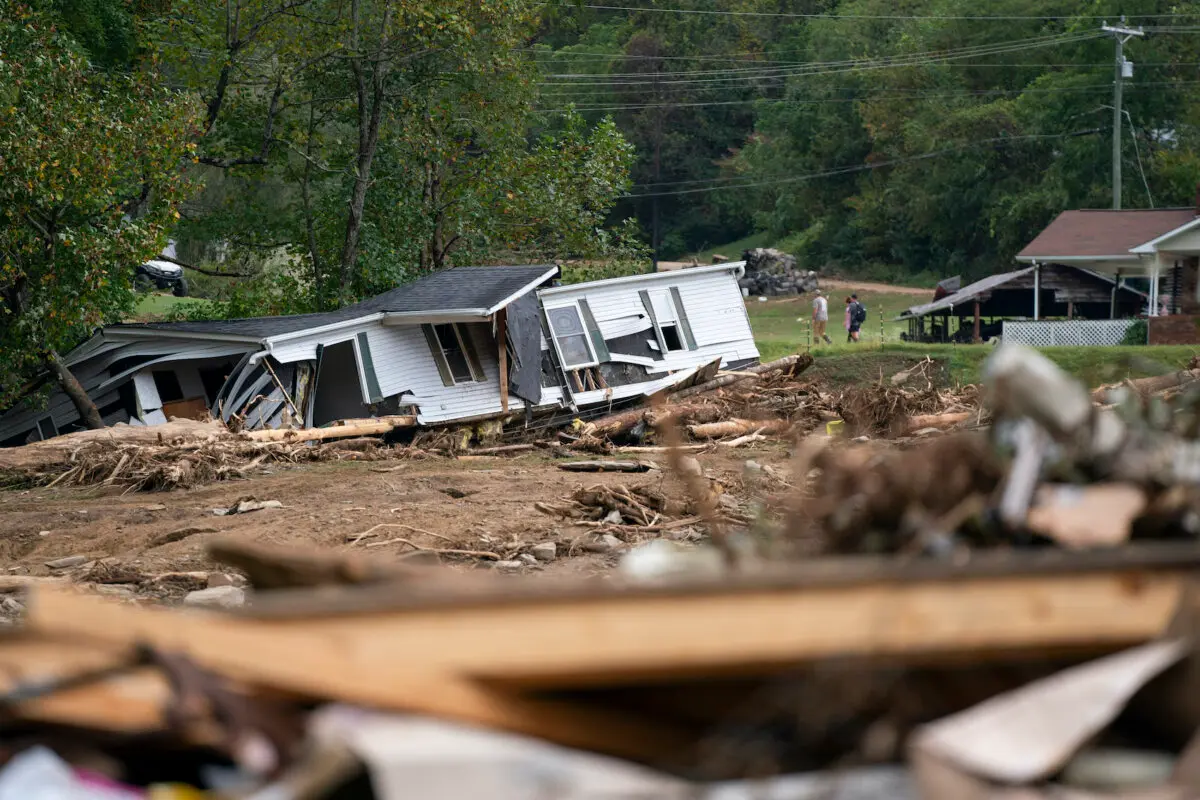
<point x="858" y="315"/>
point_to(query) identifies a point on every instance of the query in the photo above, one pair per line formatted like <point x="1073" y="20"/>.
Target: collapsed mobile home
<point x="457" y="346"/>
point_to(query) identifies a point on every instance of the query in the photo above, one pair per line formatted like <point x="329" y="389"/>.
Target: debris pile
<point x="773" y="273"/>
<point x="292" y="672"/>
<point x="182" y="463"/>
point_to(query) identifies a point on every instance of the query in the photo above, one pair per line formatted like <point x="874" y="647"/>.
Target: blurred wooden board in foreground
<point x="550" y="661"/>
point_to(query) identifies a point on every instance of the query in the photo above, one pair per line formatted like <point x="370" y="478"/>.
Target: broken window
<point x="454" y="353"/>
<point x="168" y="386"/>
<point x="665" y="307"/>
<point x="570" y="337"/>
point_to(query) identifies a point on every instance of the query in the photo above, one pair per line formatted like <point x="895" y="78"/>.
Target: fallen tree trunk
<point x="88" y="413"/>
<point x="737" y="427"/>
<point x="949" y="419"/>
<point x="615" y="424"/>
<point x="798" y="363"/>
<point x="1147" y="386"/>
<point x="352" y="428"/>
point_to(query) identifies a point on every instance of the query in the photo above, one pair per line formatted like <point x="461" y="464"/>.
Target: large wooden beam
<point x="282" y="657"/>
<point x="502" y="355"/>
<point x="603" y="637"/>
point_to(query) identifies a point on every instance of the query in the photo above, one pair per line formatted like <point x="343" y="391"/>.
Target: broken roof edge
<point x="729" y="266"/>
<point x="965" y="294"/>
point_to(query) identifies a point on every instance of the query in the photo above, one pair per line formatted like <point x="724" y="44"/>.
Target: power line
<point x="1020" y="44"/>
<point x="863" y="167"/>
<point x="897" y="95"/>
<point x="883" y="17"/>
<point x="885" y="95"/>
<point x="833" y="68"/>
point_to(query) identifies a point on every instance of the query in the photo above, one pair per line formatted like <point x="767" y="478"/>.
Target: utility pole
<point x="1124" y="69"/>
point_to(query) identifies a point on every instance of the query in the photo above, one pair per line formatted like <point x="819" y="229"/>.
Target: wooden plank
<point x="502" y="342"/>
<point x="616" y="638"/>
<point x="285" y="657"/>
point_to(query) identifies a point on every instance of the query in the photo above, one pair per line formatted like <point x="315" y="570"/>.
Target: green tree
<point x="90" y="181"/>
<point x="372" y="139"/>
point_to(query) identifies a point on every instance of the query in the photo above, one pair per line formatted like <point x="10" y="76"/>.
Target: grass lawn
<point x="880" y="356"/>
<point x="155" y="304"/>
<point x="778" y="333"/>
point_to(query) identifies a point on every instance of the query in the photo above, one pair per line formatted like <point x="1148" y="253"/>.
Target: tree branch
<point x="202" y="270"/>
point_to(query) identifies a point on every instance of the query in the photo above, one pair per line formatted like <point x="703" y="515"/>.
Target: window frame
<point x="438" y="353"/>
<point x="673" y="302"/>
<point x="587" y="338"/>
<point x="462" y="348"/>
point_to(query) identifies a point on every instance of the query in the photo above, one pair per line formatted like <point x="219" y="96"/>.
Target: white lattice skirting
<point x="1068" y="333"/>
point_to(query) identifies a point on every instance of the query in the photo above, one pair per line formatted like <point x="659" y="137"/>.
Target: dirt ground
<point x="329" y="503"/>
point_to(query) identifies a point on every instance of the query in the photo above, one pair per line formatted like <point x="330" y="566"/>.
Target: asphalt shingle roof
<point x="459" y="289"/>
<point x="1099" y="233"/>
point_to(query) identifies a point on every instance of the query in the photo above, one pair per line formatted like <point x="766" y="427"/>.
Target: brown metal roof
<point x="1103" y="233"/>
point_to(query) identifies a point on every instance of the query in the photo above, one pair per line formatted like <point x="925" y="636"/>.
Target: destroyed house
<point x="463" y="344"/>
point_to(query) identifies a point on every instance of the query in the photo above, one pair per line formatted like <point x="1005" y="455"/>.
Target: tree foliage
<point x="351" y="144"/>
<point x="927" y="136"/>
<point x="90" y="184"/>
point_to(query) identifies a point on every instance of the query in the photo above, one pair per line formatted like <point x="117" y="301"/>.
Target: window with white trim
<point x="454" y="353"/>
<point x="571" y="338"/>
<point x="667" y="316"/>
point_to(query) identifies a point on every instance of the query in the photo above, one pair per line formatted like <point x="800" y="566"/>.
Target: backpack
<point x="859" y="314"/>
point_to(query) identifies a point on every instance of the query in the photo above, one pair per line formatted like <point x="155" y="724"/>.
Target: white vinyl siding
<point x="713" y="302"/>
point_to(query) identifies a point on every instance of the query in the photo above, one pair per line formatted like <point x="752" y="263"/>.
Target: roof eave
<point x="156" y="332"/>
<point x="729" y="266"/>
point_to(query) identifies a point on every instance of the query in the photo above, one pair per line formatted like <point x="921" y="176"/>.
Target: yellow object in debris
<point x="835" y="428"/>
<point x="176" y="791"/>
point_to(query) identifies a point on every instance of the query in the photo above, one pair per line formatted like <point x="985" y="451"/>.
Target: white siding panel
<point x="403" y="363"/>
<point x="713" y="304"/>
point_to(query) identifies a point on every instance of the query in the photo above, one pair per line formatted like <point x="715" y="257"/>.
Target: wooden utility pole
<point x="1124" y="69"/>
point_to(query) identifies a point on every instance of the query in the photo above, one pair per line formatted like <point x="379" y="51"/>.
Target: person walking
<point x="858" y="315"/>
<point x="820" y="317"/>
<point x="846" y="324"/>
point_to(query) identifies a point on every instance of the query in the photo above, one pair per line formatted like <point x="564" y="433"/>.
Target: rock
<point x="11" y="605"/>
<point x="154" y="507"/>
<point x="508" y="566"/>
<point x="218" y="579"/>
<point x="43" y="533"/>
<point x="690" y="466"/>
<point x="613" y="517"/>
<point x="752" y="467"/>
<point x="528" y="560"/>
<point x="216" y="597"/>
<point x="68" y="562"/>
<point x="861" y="439"/>
<point x="546" y="551"/>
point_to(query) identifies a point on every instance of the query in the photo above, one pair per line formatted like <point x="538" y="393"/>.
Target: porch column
<point x="502" y="355"/>
<point x="977" y="339"/>
<point x="1037" y="291"/>
<point x="1154" y="290"/>
<point x="1112" y="304"/>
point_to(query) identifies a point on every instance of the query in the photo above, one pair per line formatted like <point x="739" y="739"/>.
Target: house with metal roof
<point x="456" y="346"/>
